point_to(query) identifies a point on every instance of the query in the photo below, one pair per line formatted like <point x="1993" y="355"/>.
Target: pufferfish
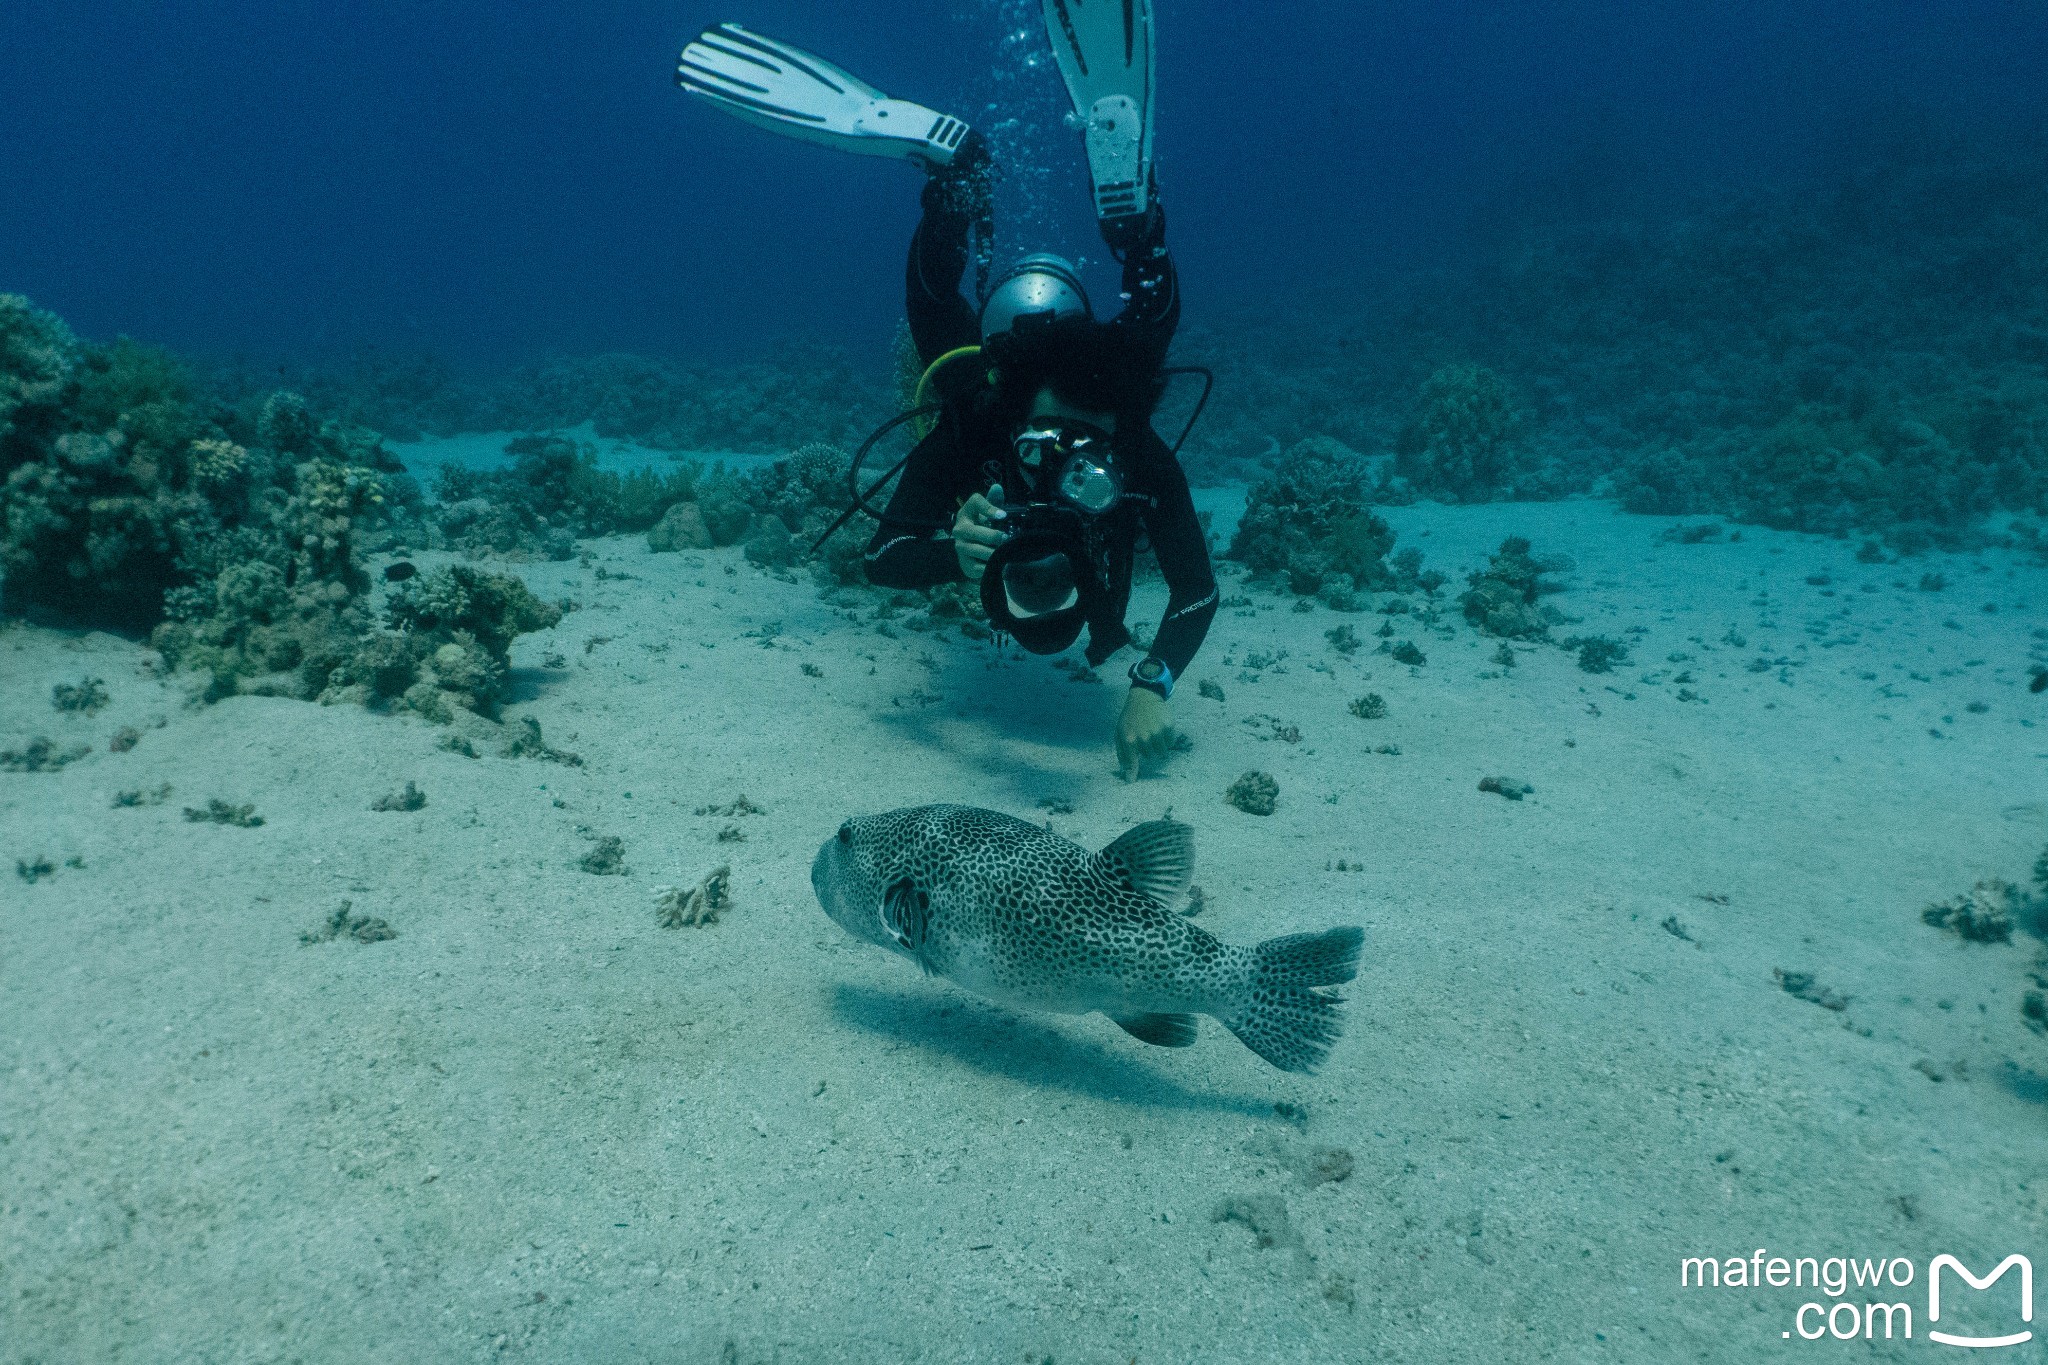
<point x="1020" y="916"/>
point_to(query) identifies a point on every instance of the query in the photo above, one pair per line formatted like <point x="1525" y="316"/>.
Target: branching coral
<point x="1311" y="528"/>
<point x="1459" y="444"/>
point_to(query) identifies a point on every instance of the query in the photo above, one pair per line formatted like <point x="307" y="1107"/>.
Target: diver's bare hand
<point x="1144" y="731"/>
<point x="975" y="536"/>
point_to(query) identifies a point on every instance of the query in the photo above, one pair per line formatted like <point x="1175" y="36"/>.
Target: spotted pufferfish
<point x="1023" y="917"/>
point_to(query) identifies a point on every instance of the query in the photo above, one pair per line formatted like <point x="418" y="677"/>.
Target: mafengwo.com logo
<point x="1874" y="1298"/>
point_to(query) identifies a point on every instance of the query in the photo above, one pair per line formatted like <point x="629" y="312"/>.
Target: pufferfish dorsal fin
<point x="1155" y="859"/>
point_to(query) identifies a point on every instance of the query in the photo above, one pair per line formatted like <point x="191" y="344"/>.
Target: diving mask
<point x="1071" y="459"/>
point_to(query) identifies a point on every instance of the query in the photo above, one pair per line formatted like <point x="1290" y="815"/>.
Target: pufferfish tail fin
<point x="1281" y="1016"/>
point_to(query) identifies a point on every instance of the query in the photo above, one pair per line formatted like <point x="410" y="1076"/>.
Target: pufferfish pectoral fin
<point x="1160" y="1030"/>
<point x="906" y="915"/>
<point x="1155" y="859"/>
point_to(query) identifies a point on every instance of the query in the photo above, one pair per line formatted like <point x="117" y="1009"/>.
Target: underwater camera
<point x="1050" y="575"/>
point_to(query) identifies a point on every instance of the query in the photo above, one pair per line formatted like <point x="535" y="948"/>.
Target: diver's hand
<point x="1144" y="731"/>
<point x="975" y="535"/>
<point x="966" y="184"/>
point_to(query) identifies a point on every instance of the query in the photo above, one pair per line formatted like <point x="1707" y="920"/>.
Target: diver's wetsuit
<point x="966" y="451"/>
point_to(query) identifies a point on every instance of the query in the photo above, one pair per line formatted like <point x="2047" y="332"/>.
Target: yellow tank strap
<point x="924" y="383"/>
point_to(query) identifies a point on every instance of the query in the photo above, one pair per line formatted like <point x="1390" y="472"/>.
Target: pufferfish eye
<point x="846" y="832"/>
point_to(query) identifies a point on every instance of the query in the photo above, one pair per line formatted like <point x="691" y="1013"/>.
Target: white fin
<point x="1155" y="859"/>
<point x="790" y="91"/>
<point x="1104" y="52"/>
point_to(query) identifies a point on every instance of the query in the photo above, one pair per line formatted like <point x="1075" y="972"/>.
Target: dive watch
<point x="1152" y="674"/>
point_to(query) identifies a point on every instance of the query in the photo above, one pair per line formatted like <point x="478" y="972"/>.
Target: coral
<point x="1343" y="639"/>
<point x="551" y="493"/>
<point x="1310" y="526"/>
<point x="1406" y="652"/>
<point x="526" y="742"/>
<point x="701" y="904"/>
<point x="812" y="479"/>
<point x="38" y="355"/>
<point x="33" y="870"/>
<point x="142" y="796"/>
<point x="739" y="805"/>
<point x="771" y="546"/>
<point x="412" y="798"/>
<point x="41" y="755"/>
<point x="1983" y="914"/>
<point x="255" y="632"/>
<point x="86" y="697"/>
<point x="1513" y="788"/>
<point x="680" y="528"/>
<point x="1255" y="793"/>
<point x="345" y="923"/>
<point x="1327" y="1166"/>
<point x="1804" y="986"/>
<point x="446" y="648"/>
<point x="286" y="423"/>
<point x="461" y="603"/>
<point x="1371" y="706"/>
<point x="219" y="812"/>
<point x="1503" y="597"/>
<point x="130" y="484"/>
<point x="606" y="858"/>
<point x="217" y="462"/>
<point x="1458" y="445"/>
<point x="1597" y="653"/>
<point x="1265" y="1217"/>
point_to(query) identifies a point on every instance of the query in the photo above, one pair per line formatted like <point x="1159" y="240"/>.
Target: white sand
<point x="536" y="1125"/>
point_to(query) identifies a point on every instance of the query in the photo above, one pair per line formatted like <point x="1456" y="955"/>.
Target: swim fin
<point x="1104" y="51"/>
<point x="787" y="90"/>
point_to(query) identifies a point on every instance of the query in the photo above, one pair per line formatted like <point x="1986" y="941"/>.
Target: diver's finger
<point x="1126" y="758"/>
<point x="969" y="534"/>
<point x="980" y="510"/>
<point x="978" y="551"/>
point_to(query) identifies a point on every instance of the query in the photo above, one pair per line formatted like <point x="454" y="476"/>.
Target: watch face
<point x="1149" y="670"/>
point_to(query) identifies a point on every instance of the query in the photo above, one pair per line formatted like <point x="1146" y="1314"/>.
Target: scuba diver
<point x="1039" y="471"/>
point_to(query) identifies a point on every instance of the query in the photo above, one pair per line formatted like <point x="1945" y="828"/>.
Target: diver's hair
<point x="1095" y="366"/>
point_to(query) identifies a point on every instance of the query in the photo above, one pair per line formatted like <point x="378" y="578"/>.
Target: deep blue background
<point x="493" y="181"/>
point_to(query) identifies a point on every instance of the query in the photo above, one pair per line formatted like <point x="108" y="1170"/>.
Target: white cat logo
<point x="2026" y="1298"/>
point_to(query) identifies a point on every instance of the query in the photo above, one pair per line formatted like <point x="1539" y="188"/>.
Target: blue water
<point x="1700" y="849"/>
<point x="492" y="181"/>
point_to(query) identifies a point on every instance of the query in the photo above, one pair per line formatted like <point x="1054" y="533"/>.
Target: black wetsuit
<point x="968" y="448"/>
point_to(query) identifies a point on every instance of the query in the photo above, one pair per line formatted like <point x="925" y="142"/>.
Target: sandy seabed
<point x="536" y="1124"/>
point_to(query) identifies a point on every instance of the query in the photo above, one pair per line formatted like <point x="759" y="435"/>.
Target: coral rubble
<point x="1255" y="793"/>
<point x="680" y="908"/>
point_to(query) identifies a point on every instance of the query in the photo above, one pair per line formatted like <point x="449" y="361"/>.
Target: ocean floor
<point x="1678" y="1001"/>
